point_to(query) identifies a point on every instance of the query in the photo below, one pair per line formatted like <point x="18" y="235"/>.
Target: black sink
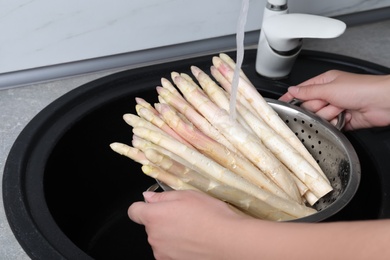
<point x="66" y="193"/>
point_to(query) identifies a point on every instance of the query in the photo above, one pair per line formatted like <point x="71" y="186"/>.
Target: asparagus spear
<point x="130" y="152"/>
<point x="216" y="93"/>
<point x="152" y="116"/>
<point x="192" y="115"/>
<point x="238" y="198"/>
<point x="226" y="58"/>
<point x="189" y="179"/>
<point x="245" y="142"/>
<point x="167" y="178"/>
<point x="211" y="169"/>
<point x="219" y="153"/>
<point x="282" y="150"/>
<point x="265" y="111"/>
<point x="166" y="84"/>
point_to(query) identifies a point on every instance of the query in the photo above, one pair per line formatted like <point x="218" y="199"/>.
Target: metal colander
<point x="332" y="150"/>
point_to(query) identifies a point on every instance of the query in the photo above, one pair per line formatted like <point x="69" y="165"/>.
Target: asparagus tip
<point x="195" y="71"/>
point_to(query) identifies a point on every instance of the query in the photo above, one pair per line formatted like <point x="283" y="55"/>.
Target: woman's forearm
<point x="256" y="239"/>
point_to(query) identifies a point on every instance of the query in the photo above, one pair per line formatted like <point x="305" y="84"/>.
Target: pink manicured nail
<point x="293" y="89"/>
<point x="148" y="194"/>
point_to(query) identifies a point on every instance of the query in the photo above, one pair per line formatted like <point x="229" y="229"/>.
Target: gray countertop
<point x="369" y="42"/>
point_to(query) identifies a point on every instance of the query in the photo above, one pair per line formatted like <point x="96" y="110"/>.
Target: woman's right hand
<point x="365" y="98"/>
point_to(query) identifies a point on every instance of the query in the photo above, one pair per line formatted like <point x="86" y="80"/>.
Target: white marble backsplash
<point x="39" y="33"/>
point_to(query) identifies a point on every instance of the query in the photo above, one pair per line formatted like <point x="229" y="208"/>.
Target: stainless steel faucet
<point x="282" y="34"/>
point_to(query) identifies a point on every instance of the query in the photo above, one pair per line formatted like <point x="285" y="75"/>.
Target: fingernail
<point x="293" y="89"/>
<point x="148" y="194"/>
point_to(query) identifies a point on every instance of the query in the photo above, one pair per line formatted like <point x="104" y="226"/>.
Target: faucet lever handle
<point x="284" y="32"/>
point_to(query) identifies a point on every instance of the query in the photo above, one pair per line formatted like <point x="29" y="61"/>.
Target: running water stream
<point x="240" y="33"/>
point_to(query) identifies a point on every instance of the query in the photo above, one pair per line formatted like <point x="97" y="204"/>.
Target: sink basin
<point x="66" y="193"/>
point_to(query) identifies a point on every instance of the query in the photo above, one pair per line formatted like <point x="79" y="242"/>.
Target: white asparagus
<point x="144" y="145"/>
<point x="283" y="150"/>
<point x="214" y="150"/>
<point x="265" y="111"/>
<point x="192" y="115"/>
<point x="134" y="120"/>
<point x="166" y="84"/>
<point x="149" y="169"/>
<point x="310" y="197"/>
<point x="179" y="170"/>
<point x="142" y="102"/>
<point x="218" y="95"/>
<point x="214" y="170"/>
<point x="130" y="152"/>
<point x="167" y="178"/>
<point x="238" y="198"/>
<point x="244" y="141"/>
<point x="226" y="58"/>
<point x="152" y="115"/>
<point x="286" y="154"/>
<point x="273" y="141"/>
<point x="226" y="85"/>
<point x="195" y="148"/>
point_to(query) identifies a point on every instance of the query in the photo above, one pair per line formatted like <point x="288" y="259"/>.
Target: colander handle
<point x="340" y="118"/>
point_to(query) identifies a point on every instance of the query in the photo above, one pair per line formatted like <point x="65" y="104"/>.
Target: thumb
<point x="136" y="211"/>
<point x="151" y="196"/>
<point x="139" y="211"/>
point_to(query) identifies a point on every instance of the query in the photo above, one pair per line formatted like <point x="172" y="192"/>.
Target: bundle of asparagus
<point x="253" y="161"/>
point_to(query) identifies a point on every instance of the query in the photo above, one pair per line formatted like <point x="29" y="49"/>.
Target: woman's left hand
<point x="186" y="224"/>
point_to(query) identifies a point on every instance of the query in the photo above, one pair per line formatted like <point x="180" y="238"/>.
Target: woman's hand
<point x="365" y="98"/>
<point x="186" y="224"/>
<point x="192" y="225"/>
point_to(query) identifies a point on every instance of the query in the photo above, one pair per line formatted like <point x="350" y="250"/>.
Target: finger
<point x="314" y="105"/>
<point x="286" y="97"/>
<point x="348" y="118"/>
<point x="313" y="81"/>
<point x="136" y="212"/>
<point x="152" y="197"/>
<point x="320" y="92"/>
<point x="323" y="78"/>
<point x="334" y="121"/>
<point x="329" y="112"/>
